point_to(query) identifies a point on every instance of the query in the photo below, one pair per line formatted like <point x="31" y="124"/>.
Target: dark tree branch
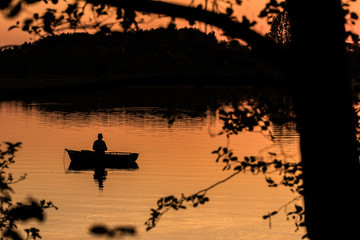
<point x="231" y="27"/>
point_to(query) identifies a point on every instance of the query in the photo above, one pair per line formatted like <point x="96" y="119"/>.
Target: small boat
<point x="86" y="159"/>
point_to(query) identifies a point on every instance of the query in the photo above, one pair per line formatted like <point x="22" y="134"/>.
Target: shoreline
<point x="29" y="85"/>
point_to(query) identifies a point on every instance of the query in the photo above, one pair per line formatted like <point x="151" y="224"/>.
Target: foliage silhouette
<point x="12" y="213"/>
<point x="316" y="67"/>
<point x="280" y="31"/>
<point x="251" y="116"/>
<point x="173" y="52"/>
<point x="248" y="116"/>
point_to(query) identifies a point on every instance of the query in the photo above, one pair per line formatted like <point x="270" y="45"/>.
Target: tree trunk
<point x="323" y="105"/>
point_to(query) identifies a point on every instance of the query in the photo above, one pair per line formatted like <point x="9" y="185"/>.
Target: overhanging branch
<point x="230" y="27"/>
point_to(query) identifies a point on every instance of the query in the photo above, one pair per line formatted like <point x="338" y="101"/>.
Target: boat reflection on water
<point x="86" y="160"/>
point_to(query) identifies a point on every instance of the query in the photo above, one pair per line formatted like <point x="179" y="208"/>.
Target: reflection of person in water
<point x="99" y="145"/>
<point x="100" y="174"/>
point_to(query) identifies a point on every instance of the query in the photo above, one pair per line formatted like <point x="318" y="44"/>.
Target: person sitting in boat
<point x="99" y="145"/>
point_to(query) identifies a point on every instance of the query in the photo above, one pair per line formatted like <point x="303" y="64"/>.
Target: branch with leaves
<point x="125" y="14"/>
<point x="248" y="116"/>
<point x="11" y="213"/>
<point x="165" y="204"/>
<point x="290" y="174"/>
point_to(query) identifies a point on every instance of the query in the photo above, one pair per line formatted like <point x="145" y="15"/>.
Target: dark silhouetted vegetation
<point x="12" y="213"/>
<point x="314" y="64"/>
<point x="161" y="51"/>
<point x="253" y="117"/>
<point x="280" y="31"/>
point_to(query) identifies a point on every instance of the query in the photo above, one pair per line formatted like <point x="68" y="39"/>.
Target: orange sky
<point x="250" y="8"/>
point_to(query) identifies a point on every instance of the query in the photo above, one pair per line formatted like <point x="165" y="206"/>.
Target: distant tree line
<point x="156" y="51"/>
<point x="143" y="52"/>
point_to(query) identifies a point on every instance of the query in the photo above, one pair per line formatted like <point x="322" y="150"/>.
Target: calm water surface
<point x="172" y="160"/>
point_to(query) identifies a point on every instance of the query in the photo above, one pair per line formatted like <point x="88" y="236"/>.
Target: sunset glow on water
<point x="172" y="160"/>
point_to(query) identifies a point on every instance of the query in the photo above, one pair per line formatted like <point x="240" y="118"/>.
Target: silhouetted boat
<point x="86" y="159"/>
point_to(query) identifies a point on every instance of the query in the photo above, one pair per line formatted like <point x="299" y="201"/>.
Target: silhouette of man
<point x="99" y="145"/>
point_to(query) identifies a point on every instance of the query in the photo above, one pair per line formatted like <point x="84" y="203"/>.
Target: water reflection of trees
<point x="162" y="104"/>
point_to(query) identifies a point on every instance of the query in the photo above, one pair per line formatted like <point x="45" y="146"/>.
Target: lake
<point x="173" y="159"/>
